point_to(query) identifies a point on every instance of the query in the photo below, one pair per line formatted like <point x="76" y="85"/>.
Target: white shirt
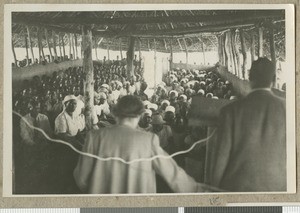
<point x="64" y="123"/>
<point x="27" y="133"/>
<point x="103" y="107"/>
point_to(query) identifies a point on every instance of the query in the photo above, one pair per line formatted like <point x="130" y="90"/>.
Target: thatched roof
<point x="154" y="29"/>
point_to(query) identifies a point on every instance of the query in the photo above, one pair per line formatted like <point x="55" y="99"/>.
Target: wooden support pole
<point x="63" y="46"/>
<point x="236" y="54"/>
<point x="30" y="44"/>
<point x="70" y="45"/>
<point x="228" y="50"/>
<point x="40" y="45"/>
<point x="252" y="47"/>
<point x="73" y="46"/>
<point x="130" y="56"/>
<point x="54" y="44"/>
<point x="244" y="53"/>
<point x="272" y="51"/>
<point x="88" y="70"/>
<point x="226" y="56"/>
<point x="202" y="49"/>
<point x="48" y="44"/>
<point x="14" y="53"/>
<point x="186" y="53"/>
<point x="76" y="45"/>
<point x="108" y="57"/>
<point x="234" y="59"/>
<point x="155" y="64"/>
<point x="120" y="47"/>
<point x="171" y="54"/>
<point x="26" y="47"/>
<point x="220" y="50"/>
<point x="260" y="42"/>
<point x="140" y="52"/>
<point x="96" y="48"/>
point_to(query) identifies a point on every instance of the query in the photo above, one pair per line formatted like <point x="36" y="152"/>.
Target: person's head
<point x="169" y="114"/>
<point x="128" y="110"/>
<point x="157" y="122"/>
<point x="70" y="102"/>
<point x="147" y="117"/>
<point x="102" y="97"/>
<point x="262" y="73"/>
<point x="164" y="104"/>
<point x="34" y="108"/>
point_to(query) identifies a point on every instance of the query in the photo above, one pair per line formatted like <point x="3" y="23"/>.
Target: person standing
<point x="125" y="141"/>
<point x="249" y="154"/>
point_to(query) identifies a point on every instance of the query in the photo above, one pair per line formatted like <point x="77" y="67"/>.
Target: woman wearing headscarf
<point x="125" y="141"/>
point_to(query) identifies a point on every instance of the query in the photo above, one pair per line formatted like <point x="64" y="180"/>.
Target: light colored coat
<point x="98" y="177"/>
<point x="249" y="154"/>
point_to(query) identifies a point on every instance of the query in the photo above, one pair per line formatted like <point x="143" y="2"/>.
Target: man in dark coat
<point x="249" y="154"/>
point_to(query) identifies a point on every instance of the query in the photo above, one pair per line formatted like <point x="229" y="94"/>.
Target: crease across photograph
<point x="149" y="99"/>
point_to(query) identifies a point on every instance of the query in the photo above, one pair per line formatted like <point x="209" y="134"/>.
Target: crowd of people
<point x="56" y="104"/>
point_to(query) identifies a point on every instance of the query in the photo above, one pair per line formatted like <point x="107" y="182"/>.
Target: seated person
<point x="164" y="132"/>
<point x="145" y="121"/>
<point x="34" y="118"/>
<point x="68" y="125"/>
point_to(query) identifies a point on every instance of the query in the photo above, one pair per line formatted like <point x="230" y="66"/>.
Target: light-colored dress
<point x="99" y="177"/>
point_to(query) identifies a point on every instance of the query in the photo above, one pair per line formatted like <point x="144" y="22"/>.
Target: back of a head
<point x="262" y="73"/>
<point x="128" y="106"/>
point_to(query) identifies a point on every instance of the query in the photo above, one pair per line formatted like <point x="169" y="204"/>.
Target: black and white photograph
<point x="149" y="99"/>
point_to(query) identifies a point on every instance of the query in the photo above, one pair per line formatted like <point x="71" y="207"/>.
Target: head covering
<point x="68" y="98"/>
<point x="153" y="106"/>
<point x="201" y="91"/>
<point x="102" y="95"/>
<point x="165" y="102"/>
<point x="148" y="112"/>
<point x="170" y="109"/>
<point x="128" y="106"/>
<point x="146" y="103"/>
<point x="232" y="97"/>
<point x="157" y="119"/>
<point x="175" y="92"/>
<point x="184" y="97"/>
<point x="105" y="86"/>
<point x="215" y="97"/>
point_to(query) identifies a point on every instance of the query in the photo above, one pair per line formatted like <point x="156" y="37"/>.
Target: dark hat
<point x="129" y="106"/>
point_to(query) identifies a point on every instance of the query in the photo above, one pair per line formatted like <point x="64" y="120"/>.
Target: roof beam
<point x="246" y="15"/>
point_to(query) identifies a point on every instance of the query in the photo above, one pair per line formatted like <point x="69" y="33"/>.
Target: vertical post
<point x="26" y="47"/>
<point x="155" y="63"/>
<point x="76" y="44"/>
<point x="63" y="46"/>
<point x="234" y="59"/>
<point x="202" y="49"/>
<point x="226" y="56"/>
<point x="171" y="54"/>
<point x="186" y="53"/>
<point x="59" y="44"/>
<point x="54" y="45"/>
<point x="252" y="48"/>
<point x="272" y="50"/>
<point x="40" y="46"/>
<point x="260" y="42"/>
<point x="48" y="44"/>
<point x="30" y="43"/>
<point x="96" y="47"/>
<point x="220" y="50"/>
<point x="87" y="44"/>
<point x="14" y="53"/>
<point x="130" y="56"/>
<point x="228" y="50"/>
<point x="70" y="45"/>
<point x="73" y="47"/>
<point x="244" y="52"/>
<point x="140" y="52"/>
<point x="108" y="58"/>
<point x="120" y="46"/>
<point x="236" y="53"/>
